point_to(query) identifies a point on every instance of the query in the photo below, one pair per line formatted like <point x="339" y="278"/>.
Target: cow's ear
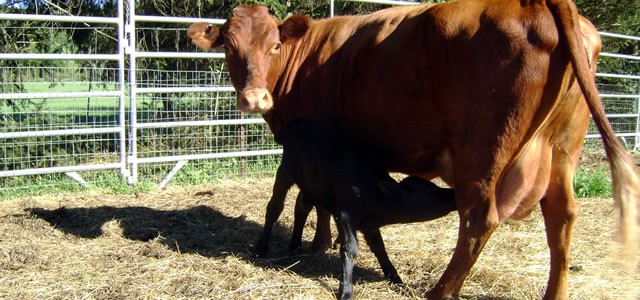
<point x="205" y="35"/>
<point x="294" y="27"/>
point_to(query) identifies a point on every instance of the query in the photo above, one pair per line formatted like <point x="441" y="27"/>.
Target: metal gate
<point x="33" y="138"/>
<point x="155" y="121"/>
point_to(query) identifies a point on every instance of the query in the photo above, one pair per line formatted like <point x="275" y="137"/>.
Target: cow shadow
<point x="199" y="229"/>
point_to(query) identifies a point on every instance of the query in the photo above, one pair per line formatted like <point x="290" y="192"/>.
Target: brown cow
<point x="493" y="96"/>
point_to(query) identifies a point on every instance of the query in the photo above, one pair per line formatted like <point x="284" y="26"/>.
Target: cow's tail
<point x="626" y="187"/>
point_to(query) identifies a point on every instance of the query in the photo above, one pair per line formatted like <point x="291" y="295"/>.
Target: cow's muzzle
<point x="255" y="100"/>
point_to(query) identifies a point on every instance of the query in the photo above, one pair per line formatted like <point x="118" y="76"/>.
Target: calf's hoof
<point x="295" y="250"/>
<point x="260" y="251"/>
<point x="394" y="278"/>
<point x="320" y="247"/>
<point x="346" y="295"/>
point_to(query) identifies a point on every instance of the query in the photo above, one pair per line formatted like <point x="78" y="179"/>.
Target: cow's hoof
<point x="431" y="295"/>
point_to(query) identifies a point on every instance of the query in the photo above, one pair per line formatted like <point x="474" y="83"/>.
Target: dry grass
<point x="195" y="243"/>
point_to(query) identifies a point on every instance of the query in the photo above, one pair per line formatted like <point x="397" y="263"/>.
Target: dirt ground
<point x="195" y="243"/>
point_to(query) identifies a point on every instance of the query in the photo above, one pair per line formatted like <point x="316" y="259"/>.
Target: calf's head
<point x="253" y="42"/>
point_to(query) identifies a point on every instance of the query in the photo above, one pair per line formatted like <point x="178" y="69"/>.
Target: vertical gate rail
<point x="119" y="128"/>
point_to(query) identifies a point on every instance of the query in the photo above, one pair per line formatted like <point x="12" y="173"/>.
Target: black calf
<point x="359" y="193"/>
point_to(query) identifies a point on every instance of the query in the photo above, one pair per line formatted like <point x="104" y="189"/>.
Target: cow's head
<point x="253" y="39"/>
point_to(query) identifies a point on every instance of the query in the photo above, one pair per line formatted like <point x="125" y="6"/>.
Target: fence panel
<point x="61" y="108"/>
<point x="620" y="90"/>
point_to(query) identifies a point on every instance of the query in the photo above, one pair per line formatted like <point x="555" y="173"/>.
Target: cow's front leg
<point x="478" y="219"/>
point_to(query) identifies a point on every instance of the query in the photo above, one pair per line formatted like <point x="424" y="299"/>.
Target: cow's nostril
<point x="243" y="103"/>
<point x="266" y="100"/>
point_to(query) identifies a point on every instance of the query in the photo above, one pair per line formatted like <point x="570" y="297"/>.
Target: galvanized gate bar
<point x="53" y="56"/>
<point x="56" y="18"/>
<point x="59" y="95"/>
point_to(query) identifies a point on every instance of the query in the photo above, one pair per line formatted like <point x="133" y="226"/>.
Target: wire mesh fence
<point x="180" y="125"/>
<point x="620" y="93"/>
<point x="60" y="101"/>
<point x="44" y="128"/>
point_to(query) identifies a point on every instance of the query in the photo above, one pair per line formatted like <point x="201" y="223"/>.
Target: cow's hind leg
<point x="559" y="211"/>
<point x="376" y="244"/>
<point x="274" y="208"/>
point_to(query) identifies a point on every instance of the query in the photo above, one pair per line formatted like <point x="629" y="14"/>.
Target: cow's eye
<point x="276" y="48"/>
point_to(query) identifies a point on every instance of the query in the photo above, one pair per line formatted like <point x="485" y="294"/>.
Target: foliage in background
<point x="617" y="16"/>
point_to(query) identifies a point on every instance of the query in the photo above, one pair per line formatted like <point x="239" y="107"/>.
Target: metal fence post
<point x="122" y="45"/>
<point x="636" y="143"/>
<point x="133" y="90"/>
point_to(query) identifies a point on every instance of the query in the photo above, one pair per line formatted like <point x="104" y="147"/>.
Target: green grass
<point x="35" y="185"/>
<point x="587" y="182"/>
<point x="196" y="172"/>
<point x="592" y="183"/>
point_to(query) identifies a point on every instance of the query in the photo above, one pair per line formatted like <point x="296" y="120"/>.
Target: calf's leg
<point x="276" y="204"/>
<point x="348" y="252"/>
<point x="376" y="244"/>
<point x="302" y="210"/>
<point x="322" y="238"/>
